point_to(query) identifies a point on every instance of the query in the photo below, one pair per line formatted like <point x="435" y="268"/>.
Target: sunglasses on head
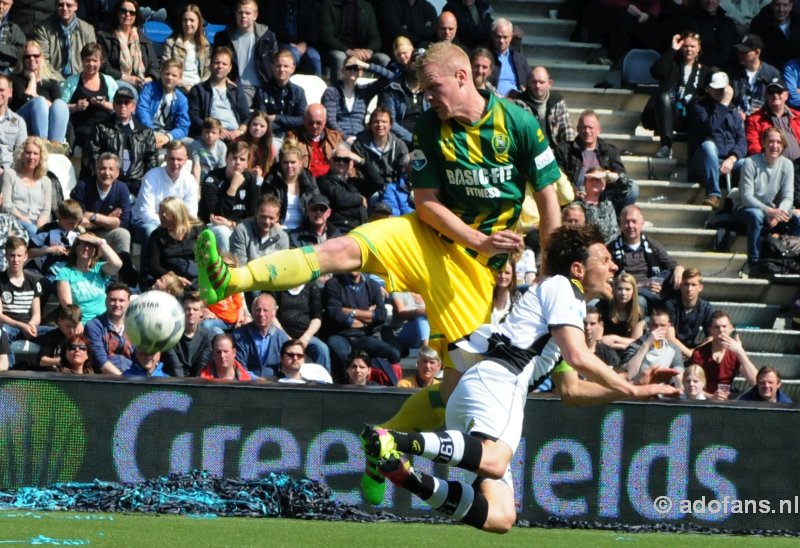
<point x="77" y="347"/>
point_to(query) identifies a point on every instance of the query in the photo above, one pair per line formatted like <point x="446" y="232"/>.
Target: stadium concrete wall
<point x="732" y="466"/>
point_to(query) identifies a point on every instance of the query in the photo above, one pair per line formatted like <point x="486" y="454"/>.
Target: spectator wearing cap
<point x="779" y="27"/>
<point x="776" y="113"/>
<point x="750" y="79"/>
<point x="315" y="228"/>
<point x="381" y="210"/>
<point x="123" y="135"/>
<point x="717" y="143"/>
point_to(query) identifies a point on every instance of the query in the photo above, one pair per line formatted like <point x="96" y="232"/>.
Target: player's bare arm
<point x="573" y="348"/>
<point x="436" y="215"/>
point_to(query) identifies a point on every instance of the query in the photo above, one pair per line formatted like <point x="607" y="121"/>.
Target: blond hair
<point x="41" y="169"/>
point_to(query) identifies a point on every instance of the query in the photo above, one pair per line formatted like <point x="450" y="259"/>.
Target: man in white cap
<point x="717" y="144"/>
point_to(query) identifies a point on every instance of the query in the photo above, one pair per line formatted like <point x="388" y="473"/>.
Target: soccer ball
<point x="154" y="321"/>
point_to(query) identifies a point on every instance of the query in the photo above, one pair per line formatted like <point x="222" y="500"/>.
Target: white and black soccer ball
<point x="154" y="321"/>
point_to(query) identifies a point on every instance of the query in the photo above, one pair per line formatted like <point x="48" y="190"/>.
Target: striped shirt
<point x="18" y="300"/>
<point x="481" y="169"/>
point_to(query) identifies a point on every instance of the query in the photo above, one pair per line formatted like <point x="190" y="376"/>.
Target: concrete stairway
<point x="672" y="204"/>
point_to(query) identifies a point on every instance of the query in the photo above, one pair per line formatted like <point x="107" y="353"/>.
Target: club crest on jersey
<point x="500" y="143"/>
<point x="418" y="160"/>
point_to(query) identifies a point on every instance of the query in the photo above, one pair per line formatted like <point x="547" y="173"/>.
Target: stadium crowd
<point x="213" y="131"/>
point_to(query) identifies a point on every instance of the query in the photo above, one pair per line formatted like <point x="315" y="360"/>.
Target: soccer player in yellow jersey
<point x="473" y="156"/>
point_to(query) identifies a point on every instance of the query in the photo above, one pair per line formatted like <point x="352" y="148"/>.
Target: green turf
<point x="174" y="531"/>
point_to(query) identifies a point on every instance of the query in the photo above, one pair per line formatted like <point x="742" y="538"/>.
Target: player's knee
<point x="501" y="522"/>
<point x="493" y="470"/>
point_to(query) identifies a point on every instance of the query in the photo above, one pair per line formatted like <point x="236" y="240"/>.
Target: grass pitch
<point x="71" y="528"/>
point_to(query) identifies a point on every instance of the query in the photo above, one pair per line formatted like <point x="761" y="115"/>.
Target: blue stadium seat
<point x="211" y="32"/>
<point x="158" y="33"/>
<point x="636" y="69"/>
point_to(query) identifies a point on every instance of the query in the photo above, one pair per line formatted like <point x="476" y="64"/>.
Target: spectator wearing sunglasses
<point x="75" y="357"/>
<point x="348" y="189"/>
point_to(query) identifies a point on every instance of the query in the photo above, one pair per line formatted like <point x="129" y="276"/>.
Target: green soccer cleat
<point x="213" y="275"/>
<point x="373" y="485"/>
<point x="377" y="443"/>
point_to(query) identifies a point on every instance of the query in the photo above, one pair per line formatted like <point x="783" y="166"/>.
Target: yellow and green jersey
<point x="481" y="169"/>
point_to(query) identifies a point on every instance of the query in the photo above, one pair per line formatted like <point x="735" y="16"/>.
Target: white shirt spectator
<point x="157" y="185"/>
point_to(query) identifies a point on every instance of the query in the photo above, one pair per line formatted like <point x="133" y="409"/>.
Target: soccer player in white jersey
<point x="485" y="412"/>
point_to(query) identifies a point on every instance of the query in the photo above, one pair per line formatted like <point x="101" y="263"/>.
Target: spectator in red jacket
<point x="223" y="364"/>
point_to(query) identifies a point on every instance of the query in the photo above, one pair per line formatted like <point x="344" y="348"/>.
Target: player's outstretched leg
<point x="213" y="275"/>
<point x="458" y="500"/>
<point x="275" y="272"/>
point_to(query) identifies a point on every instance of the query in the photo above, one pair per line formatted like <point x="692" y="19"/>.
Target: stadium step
<point x="770" y="340"/>
<point x="749" y="314"/>
<point x="558" y="51"/>
<point x="611" y="120"/>
<point x="749" y="290"/>
<point x="670" y="192"/>
<point x="711" y="264"/>
<point x="691" y="239"/>
<point x="640" y="145"/>
<point x="512" y="8"/>
<point x="574" y="75"/>
<point x="671" y="215"/>
<point x="613" y="99"/>
<point x="544" y="27"/>
<point x="649" y="168"/>
<point x="788" y="365"/>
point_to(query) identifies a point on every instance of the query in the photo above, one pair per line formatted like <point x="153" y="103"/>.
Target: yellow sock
<point x="422" y="412"/>
<point x="276" y="272"/>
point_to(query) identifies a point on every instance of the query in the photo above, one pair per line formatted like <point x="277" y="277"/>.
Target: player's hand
<point x="504" y="241"/>
<point x="655" y="390"/>
<point x="656" y="375"/>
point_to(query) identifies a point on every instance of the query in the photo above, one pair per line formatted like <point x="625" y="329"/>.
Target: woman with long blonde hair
<point x="36" y="96"/>
<point x="622" y="317"/>
<point x="170" y="247"/>
<point x="27" y="190"/>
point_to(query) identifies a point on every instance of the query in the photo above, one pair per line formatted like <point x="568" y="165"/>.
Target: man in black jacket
<point x="575" y="158"/>
<point x="123" y="135"/>
<point x="12" y="40"/>
<point x="778" y="26"/>
<point x="283" y="102"/>
<point x="193" y="351"/>
<point x="315" y="228"/>
<point x="253" y="44"/>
